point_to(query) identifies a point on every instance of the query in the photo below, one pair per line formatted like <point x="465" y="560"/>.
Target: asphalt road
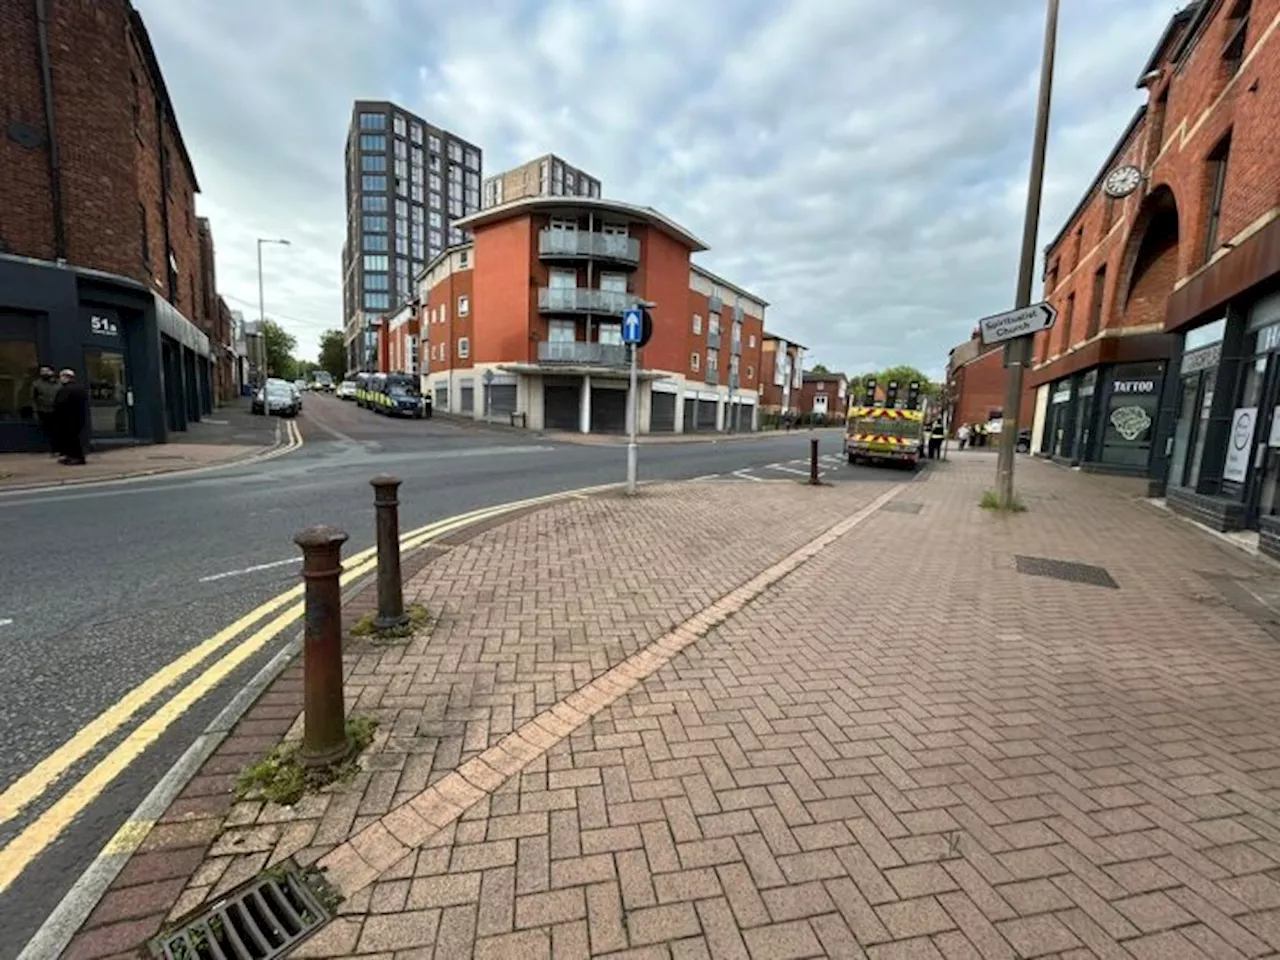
<point x="104" y="585"/>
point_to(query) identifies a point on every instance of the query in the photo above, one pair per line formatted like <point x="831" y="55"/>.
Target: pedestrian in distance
<point x="963" y="435"/>
<point x="71" y="418"/>
<point x="44" y="391"/>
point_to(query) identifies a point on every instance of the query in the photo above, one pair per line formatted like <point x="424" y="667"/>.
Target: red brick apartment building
<point x="525" y="320"/>
<point x="101" y="266"/>
<point x="976" y="384"/>
<point x="1161" y="363"/>
<point x="782" y="375"/>
<point x="824" y="395"/>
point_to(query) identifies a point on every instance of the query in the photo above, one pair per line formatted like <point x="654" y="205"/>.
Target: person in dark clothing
<point x="43" y="393"/>
<point x="71" y="416"/>
<point x="936" y="435"/>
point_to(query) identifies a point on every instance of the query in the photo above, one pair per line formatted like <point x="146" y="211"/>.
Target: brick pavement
<point x="724" y="761"/>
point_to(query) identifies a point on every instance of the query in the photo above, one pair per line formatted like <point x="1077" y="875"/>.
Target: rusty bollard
<point x="386" y="502"/>
<point x="813" y="461"/>
<point x="324" y="734"/>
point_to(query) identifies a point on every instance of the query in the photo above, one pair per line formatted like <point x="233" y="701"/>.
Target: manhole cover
<point x="905" y="506"/>
<point x="265" y="918"/>
<point x="1066" y="570"/>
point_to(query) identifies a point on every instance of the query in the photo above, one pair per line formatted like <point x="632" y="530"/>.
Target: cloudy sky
<point x="861" y="167"/>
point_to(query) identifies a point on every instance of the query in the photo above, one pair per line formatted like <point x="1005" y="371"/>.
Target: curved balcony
<point x="583" y="300"/>
<point x="587" y="245"/>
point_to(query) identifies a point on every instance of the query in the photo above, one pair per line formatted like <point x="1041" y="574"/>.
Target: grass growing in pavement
<point x="990" y="501"/>
<point x="365" y="626"/>
<point x="280" y="776"/>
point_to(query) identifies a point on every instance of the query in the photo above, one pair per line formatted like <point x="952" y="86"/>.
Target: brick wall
<point x="111" y="118"/>
<point x="978" y="388"/>
<point x="1157" y="236"/>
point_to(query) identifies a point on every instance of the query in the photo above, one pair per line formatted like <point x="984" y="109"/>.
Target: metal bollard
<point x="390" y="592"/>
<point x="324" y="734"/>
<point x="813" y="461"/>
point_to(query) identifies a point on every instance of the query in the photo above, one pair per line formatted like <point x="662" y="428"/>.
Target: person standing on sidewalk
<point x="963" y="435"/>
<point x="936" y="435"/>
<point x="71" y="417"/>
<point x="44" y="392"/>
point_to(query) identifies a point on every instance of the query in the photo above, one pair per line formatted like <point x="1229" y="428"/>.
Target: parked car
<point x="322" y="380"/>
<point x="398" y="396"/>
<point x="300" y="385"/>
<point x="279" y="398"/>
<point x="347" y="390"/>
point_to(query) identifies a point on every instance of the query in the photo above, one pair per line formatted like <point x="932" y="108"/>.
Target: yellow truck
<point x="885" y="435"/>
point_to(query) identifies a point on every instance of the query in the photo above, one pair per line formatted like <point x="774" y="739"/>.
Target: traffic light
<point x="913" y="395"/>
<point x="891" y="395"/>
<point x="869" y="394"/>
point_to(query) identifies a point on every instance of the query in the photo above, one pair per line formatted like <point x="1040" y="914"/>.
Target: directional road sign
<point x="1017" y="323"/>
<point x="632" y="325"/>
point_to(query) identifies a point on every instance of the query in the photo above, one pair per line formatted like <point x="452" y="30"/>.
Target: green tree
<point x="820" y="370"/>
<point x="333" y="353"/>
<point x="280" y="346"/>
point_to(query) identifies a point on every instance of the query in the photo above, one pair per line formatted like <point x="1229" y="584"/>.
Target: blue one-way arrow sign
<point x="632" y="325"/>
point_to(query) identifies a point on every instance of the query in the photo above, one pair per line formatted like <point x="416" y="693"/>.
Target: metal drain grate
<point x="262" y="919"/>
<point x="905" y="506"/>
<point x="1066" y="570"/>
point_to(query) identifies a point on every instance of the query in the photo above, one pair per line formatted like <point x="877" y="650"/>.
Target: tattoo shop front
<point x="1105" y="415"/>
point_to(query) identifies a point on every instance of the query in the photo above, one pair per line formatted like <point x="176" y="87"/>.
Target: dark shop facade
<point x="147" y="368"/>
<point x="1224" y="462"/>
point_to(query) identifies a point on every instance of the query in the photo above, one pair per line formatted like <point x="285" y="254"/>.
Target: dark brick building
<point x="100" y="247"/>
<point x="1163" y="361"/>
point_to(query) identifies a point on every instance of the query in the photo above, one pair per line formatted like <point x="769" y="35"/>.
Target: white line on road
<point x="705" y="476"/>
<point x="253" y="569"/>
<point x="5" y="623"/>
<point x="778" y="466"/>
<point x="746" y="476"/>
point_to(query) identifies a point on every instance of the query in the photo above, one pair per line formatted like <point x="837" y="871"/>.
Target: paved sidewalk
<point x="227" y="435"/>
<point x="761" y="721"/>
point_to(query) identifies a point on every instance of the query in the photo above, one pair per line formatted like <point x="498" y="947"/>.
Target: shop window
<point x="18" y="367"/>
<point x="1133" y="402"/>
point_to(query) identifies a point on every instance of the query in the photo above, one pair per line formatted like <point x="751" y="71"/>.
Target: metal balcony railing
<point x="584" y="243"/>
<point x="579" y="352"/>
<point x="583" y="300"/>
<point x="713" y="339"/>
<point x="711" y="375"/>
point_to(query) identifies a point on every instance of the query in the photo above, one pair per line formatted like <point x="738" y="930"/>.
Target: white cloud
<point x="862" y="168"/>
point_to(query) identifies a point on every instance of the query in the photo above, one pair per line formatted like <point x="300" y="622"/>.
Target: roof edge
<point x="741" y="291"/>
<point x="153" y="66"/>
<point x="530" y="205"/>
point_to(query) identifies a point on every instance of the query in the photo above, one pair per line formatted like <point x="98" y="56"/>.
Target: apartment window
<point x="373" y="163"/>
<point x="433" y="163"/>
<point x="399" y="125"/>
<point x="373" y="121"/>
<point x="751" y="373"/>
<point x="433" y="181"/>
<point x="415" y="157"/>
<point x="1217" y="186"/>
<point x="595" y="189"/>
<point x="373" y="142"/>
<point x="1237" y="31"/>
<point x="464" y="348"/>
<point x="402" y="245"/>
<point x="464" y="305"/>
<point x="733" y="368"/>
<point x="613" y="282"/>
<point x="751" y="343"/>
<point x="373" y="184"/>
<point x="455" y="236"/>
<point x="1078" y="244"/>
<point x="401" y="150"/>
<point x="472" y="199"/>
<point x="375" y="242"/>
<point x="415" y="193"/>
<point x="1095" y="305"/>
<point x="415" y="215"/>
<point x="373" y="204"/>
<point x="415" y="133"/>
<point x="402" y="227"/>
<point x="377" y="301"/>
<point x="455" y="175"/>
<point x="375" y="261"/>
<point x="416" y="250"/>
<point x="464" y="258"/>
<point x="435" y="239"/>
<point x="433" y="143"/>
<point x="473" y="159"/>
<point x="376" y="281"/>
<point x="694" y="362"/>
<point x="713" y="358"/>
<point x="562" y="279"/>
<point x="455" y="191"/>
<point x="376" y="224"/>
<point x="455" y="208"/>
<point x="713" y="324"/>
<point x="455" y="152"/>
<point x="402" y="168"/>
<point x="697" y="325"/>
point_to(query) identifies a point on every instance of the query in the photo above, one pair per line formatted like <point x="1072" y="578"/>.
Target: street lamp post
<point x="1018" y="352"/>
<point x="262" y="313"/>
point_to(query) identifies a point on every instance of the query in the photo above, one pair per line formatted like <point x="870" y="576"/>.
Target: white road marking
<point x="746" y="476"/>
<point x="6" y="622"/>
<point x="253" y="569"/>
<point x="778" y="466"/>
<point x="705" y="476"/>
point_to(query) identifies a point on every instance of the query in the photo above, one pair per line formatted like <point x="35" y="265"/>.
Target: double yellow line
<point x="20" y="852"/>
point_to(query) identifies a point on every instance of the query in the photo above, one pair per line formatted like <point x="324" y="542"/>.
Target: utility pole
<point x="1017" y="353"/>
<point x="262" y="314"/>
<point x="631" y="432"/>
